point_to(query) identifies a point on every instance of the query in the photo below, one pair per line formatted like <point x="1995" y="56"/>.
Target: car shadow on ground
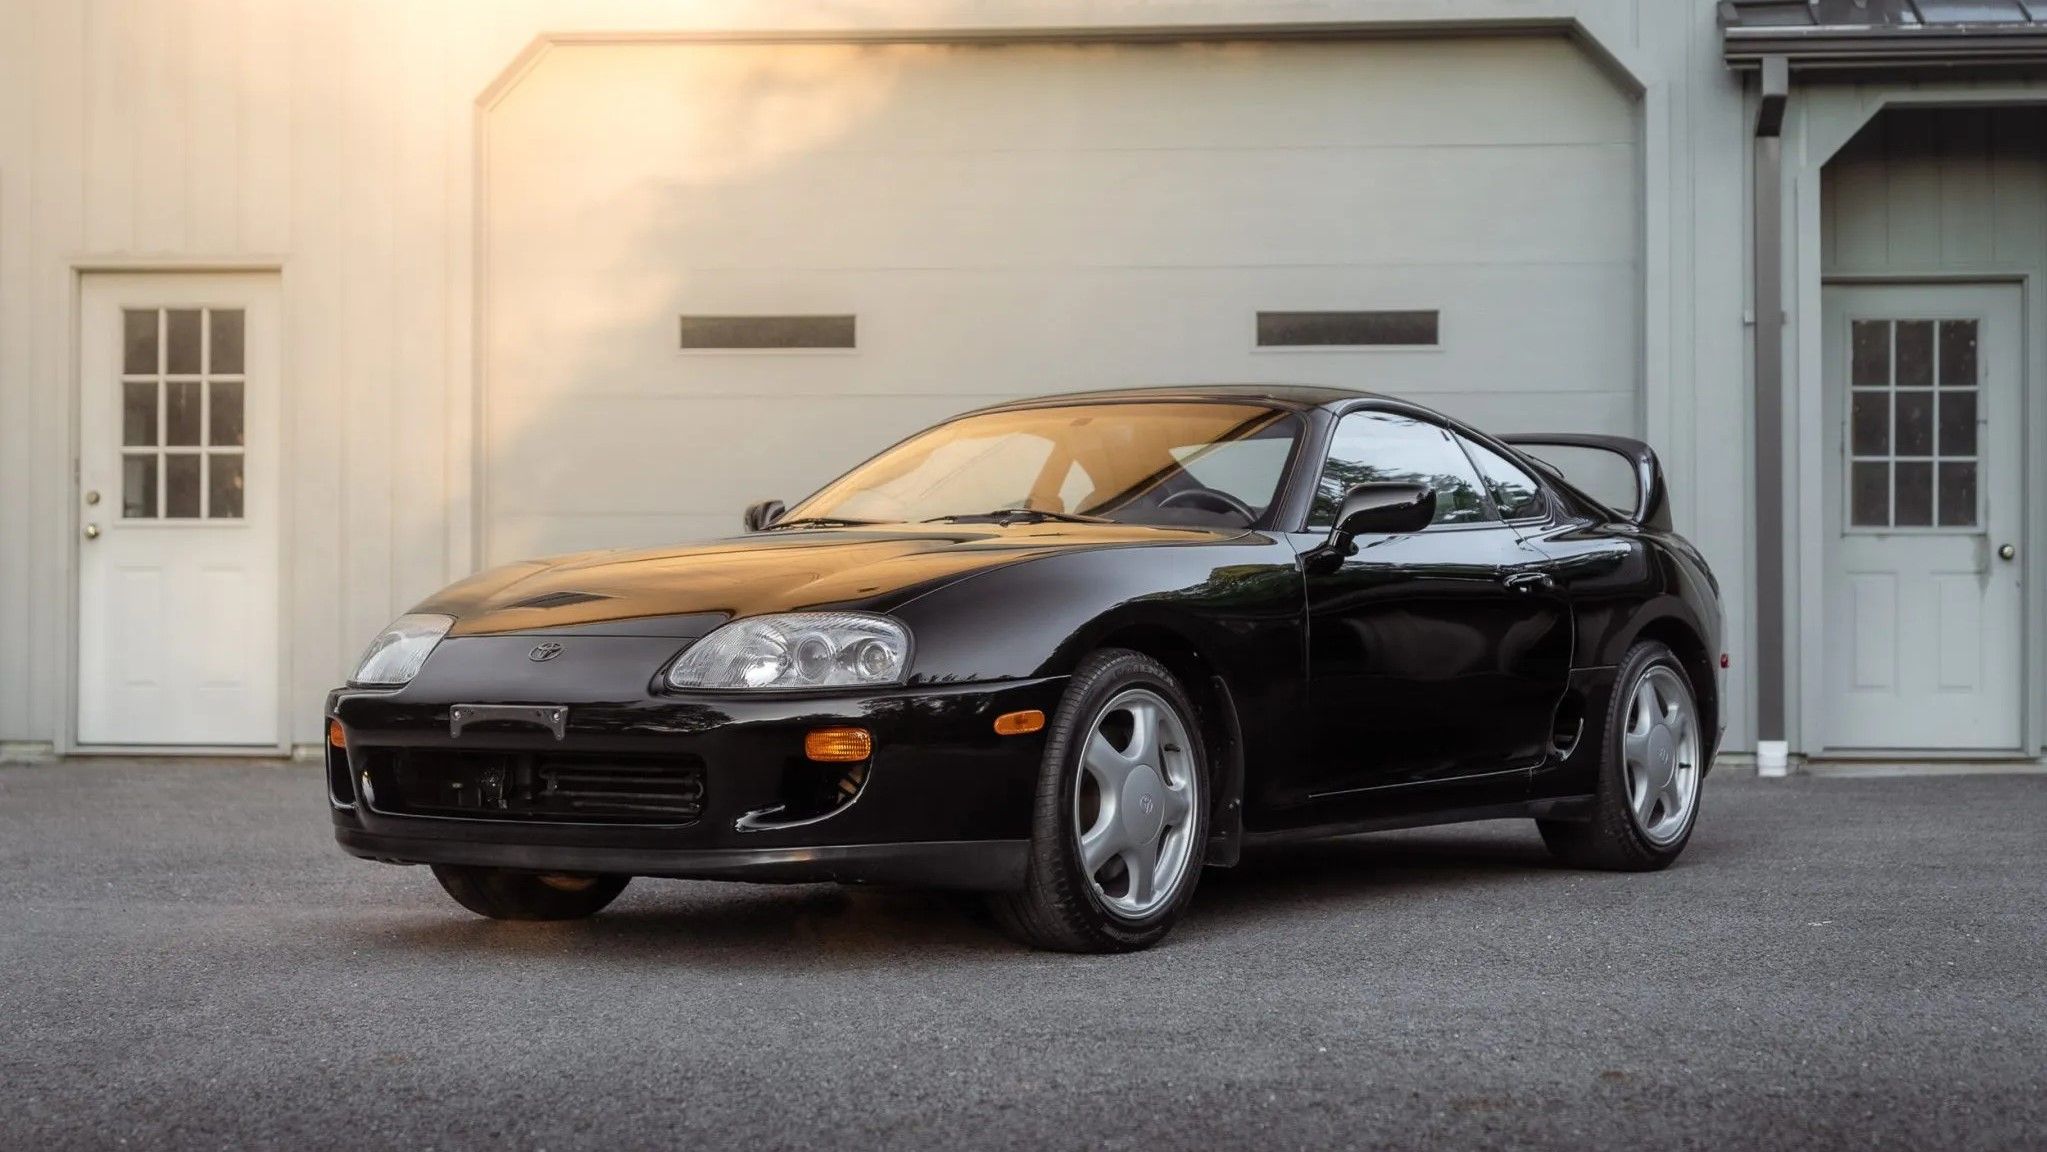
<point x="802" y="925"/>
<point x="1360" y="869"/>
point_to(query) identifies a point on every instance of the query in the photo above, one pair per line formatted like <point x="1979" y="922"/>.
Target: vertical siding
<point x="53" y="228"/>
<point x="1707" y="458"/>
<point x="2018" y="185"/>
<point x="419" y="308"/>
<point x="367" y="170"/>
<point x="1938" y="190"/>
<point x="162" y="132"/>
<point x="336" y="139"/>
<point x="17" y="102"/>
<point x="268" y="60"/>
<point x="108" y="123"/>
<point x="187" y="133"/>
<point x="212" y="190"/>
<point x="314" y="342"/>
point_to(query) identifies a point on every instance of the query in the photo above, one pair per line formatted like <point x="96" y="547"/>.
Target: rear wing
<point x="1584" y="461"/>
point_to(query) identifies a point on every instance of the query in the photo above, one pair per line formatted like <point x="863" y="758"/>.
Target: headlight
<point x="797" y="650"/>
<point x="395" y="656"/>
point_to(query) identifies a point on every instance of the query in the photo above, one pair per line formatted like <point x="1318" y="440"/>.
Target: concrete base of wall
<point x="1853" y="769"/>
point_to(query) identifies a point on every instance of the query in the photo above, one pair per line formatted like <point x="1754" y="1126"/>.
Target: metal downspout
<point x="1769" y="397"/>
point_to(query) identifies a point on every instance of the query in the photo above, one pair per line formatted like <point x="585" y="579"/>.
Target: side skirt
<point x="1552" y="808"/>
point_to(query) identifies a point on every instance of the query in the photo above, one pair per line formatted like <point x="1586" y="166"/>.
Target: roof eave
<point x="1838" y="46"/>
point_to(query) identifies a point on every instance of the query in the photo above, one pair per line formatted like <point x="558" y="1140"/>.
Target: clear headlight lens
<point x="797" y="650"/>
<point x="396" y="655"/>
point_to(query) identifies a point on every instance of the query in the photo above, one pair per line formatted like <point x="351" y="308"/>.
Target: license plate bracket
<point x="553" y="717"/>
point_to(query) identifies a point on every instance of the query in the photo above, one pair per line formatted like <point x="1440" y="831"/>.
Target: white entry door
<point x="178" y="510"/>
<point x="1925" y="501"/>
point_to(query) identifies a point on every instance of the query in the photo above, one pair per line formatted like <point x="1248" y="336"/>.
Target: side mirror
<point x="1376" y="508"/>
<point x="759" y="516"/>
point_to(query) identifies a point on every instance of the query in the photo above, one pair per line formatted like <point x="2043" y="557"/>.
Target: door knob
<point x="92" y="531"/>
<point x="2006" y="552"/>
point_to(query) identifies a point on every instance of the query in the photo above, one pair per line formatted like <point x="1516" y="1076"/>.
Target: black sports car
<point x="1066" y="651"/>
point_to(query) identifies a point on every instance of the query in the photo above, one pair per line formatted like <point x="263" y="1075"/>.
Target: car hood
<point x="687" y="590"/>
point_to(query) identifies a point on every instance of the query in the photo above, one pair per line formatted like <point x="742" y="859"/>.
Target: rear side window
<point x="1384" y="447"/>
<point x="1514" y="491"/>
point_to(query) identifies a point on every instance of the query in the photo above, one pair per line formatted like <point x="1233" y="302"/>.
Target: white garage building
<point x="307" y="308"/>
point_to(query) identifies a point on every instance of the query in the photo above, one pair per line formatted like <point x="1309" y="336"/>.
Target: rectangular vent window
<point x="1409" y="329"/>
<point x="720" y="333"/>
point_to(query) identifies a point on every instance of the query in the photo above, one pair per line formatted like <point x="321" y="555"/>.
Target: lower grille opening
<point x="544" y="787"/>
<point x="809" y="792"/>
<point x="339" y="786"/>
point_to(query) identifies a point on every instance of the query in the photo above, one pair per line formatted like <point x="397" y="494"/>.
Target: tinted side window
<point x="1374" y="447"/>
<point x="1514" y="491"/>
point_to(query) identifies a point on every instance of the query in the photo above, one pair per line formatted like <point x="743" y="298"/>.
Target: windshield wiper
<point x="1020" y="514"/>
<point x="823" y="522"/>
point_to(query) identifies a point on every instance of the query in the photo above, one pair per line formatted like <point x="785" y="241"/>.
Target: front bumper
<point x="945" y="802"/>
<point x="975" y="865"/>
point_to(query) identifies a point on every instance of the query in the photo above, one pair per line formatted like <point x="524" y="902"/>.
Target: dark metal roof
<point x="1882" y="33"/>
<point x="1877" y="13"/>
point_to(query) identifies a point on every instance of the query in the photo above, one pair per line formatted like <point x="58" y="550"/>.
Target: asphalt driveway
<point x="185" y="960"/>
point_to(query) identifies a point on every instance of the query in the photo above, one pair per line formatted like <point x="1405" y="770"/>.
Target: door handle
<point x="2006" y="552"/>
<point x="1531" y="582"/>
<point x="92" y="531"/>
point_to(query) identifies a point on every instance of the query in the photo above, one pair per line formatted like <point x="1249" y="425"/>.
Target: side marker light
<point x="838" y="745"/>
<point x="1019" y="723"/>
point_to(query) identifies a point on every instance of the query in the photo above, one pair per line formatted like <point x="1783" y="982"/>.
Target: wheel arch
<point x="1199" y="673"/>
<point x="1685" y="642"/>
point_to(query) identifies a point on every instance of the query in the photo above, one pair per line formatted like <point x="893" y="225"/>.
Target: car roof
<point x="1296" y="396"/>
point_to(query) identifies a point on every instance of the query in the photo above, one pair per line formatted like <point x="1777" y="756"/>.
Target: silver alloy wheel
<point x="1134" y="801"/>
<point x="1660" y="755"/>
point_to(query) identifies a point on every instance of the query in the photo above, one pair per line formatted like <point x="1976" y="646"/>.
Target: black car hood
<point x="689" y="589"/>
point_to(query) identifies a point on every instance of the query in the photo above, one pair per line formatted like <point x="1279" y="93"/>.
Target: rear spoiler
<point x="1652" y="499"/>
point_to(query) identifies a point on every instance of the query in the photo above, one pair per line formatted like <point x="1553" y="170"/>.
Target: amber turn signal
<point x="337" y="736"/>
<point x="838" y="745"/>
<point x="1019" y="723"/>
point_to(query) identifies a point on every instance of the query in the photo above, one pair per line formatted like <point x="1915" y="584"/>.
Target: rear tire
<point x="502" y="894"/>
<point x="1124" y="780"/>
<point x="1651" y="771"/>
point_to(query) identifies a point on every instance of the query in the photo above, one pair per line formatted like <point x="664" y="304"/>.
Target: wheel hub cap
<point x="1662" y="755"/>
<point x="1143" y="815"/>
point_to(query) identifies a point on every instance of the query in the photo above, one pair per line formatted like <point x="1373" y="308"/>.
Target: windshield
<point x="1184" y="464"/>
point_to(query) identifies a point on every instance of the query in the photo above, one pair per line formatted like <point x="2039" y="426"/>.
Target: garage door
<point x="721" y="273"/>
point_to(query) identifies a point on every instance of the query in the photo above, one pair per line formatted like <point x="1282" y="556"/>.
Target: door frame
<point x="1807" y="631"/>
<point x="70" y="517"/>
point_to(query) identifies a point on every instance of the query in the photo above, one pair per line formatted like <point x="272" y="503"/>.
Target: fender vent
<point x="1568" y="726"/>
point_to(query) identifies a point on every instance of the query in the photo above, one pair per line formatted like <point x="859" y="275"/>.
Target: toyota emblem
<point x="544" y="652"/>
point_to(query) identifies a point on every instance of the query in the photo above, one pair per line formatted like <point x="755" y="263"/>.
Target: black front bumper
<point x="945" y="802"/>
<point x="978" y="865"/>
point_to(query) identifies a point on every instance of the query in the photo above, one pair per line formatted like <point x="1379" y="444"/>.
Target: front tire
<point x="1120" y="826"/>
<point x="1650" y="772"/>
<point x="502" y="894"/>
